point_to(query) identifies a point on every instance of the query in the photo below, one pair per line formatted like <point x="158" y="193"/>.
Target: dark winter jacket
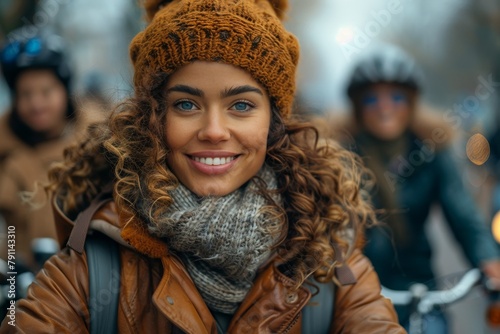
<point x="422" y="177"/>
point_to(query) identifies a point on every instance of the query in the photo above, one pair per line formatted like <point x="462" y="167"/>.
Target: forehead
<point x="210" y="74"/>
<point x="35" y="76"/>
<point x="384" y="88"/>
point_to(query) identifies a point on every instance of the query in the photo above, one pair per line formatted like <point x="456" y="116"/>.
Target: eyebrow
<point x="226" y="93"/>
<point x="186" y="89"/>
<point x="240" y="90"/>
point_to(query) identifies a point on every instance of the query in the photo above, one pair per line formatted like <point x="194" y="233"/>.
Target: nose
<point x="214" y="128"/>
<point x="386" y="105"/>
<point x="37" y="100"/>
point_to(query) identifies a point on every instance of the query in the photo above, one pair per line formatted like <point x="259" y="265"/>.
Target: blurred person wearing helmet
<point x="411" y="159"/>
<point x="33" y="133"/>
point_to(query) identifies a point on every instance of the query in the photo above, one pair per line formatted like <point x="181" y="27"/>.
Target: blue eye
<point x="398" y="97"/>
<point x="242" y="106"/>
<point x="185" y="105"/>
<point x="370" y="100"/>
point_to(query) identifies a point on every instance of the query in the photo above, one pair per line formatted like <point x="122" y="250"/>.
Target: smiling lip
<point x="213" y="162"/>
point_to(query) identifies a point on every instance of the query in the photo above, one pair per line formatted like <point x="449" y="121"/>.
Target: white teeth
<point x="214" y="161"/>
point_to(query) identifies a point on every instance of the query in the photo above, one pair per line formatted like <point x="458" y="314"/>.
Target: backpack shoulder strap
<point x="317" y="316"/>
<point x="103" y="261"/>
<point x="80" y="229"/>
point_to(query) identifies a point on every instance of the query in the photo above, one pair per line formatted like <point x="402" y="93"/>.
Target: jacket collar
<point x="135" y="233"/>
<point x="109" y="220"/>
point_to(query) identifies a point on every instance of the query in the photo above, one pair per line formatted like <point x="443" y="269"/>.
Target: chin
<point x="389" y="134"/>
<point x="212" y="190"/>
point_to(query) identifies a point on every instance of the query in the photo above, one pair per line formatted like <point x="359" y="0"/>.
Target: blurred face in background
<point x="386" y="110"/>
<point x="41" y="101"/>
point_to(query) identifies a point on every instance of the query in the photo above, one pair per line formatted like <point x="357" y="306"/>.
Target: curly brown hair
<point x="320" y="182"/>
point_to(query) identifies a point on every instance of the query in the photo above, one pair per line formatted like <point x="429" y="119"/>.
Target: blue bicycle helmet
<point x="22" y="52"/>
<point x="36" y="51"/>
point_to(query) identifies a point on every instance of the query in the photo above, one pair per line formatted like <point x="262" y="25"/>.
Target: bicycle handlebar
<point x="426" y="300"/>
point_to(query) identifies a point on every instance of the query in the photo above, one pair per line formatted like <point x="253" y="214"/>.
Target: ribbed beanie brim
<point x="244" y="33"/>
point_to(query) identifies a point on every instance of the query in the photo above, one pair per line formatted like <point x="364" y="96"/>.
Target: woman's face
<point x="217" y="124"/>
<point x="41" y="101"/>
<point x="385" y="111"/>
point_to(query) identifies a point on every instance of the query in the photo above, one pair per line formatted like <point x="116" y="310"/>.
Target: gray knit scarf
<point x="222" y="240"/>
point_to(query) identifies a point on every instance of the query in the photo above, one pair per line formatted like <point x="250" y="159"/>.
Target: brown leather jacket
<point x="158" y="296"/>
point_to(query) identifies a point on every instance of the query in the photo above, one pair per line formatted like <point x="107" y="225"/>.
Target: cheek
<point x="367" y="118"/>
<point x="172" y="136"/>
<point x="404" y="115"/>
<point x="256" y="137"/>
<point x="178" y="133"/>
<point x="60" y="101"/>
<point x="22" y="106"/>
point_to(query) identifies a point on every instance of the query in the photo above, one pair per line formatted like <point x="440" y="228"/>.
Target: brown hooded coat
<point x="23" y="168"/>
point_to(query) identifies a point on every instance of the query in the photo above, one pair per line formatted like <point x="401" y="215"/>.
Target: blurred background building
<point x="457" y="43"/>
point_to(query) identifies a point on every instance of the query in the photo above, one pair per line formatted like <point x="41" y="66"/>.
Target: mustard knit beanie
<point x="244" y="33"/>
